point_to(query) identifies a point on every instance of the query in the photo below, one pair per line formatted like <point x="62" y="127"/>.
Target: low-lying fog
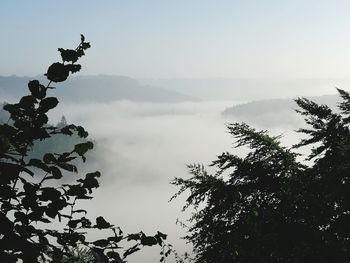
<point x="140" y="148"/>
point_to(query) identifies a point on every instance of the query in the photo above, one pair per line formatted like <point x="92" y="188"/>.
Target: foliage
<point x="39" y="217"/>
<point x="269" y="206"/>
<point x="4" y="116"/>
<point x="79" y="255"/>
<point x="57" y="143"/>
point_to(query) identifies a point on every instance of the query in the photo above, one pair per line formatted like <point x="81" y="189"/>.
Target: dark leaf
<point x="57" y="72"/>
<point x="27" y="102"/>
<point x="56" y="172"/>
<point x="37" y="90"/>
<point x="101" y="223"/>
<point x="98" y="255"/>
<point x="81" y="132"/>
<point x="77" y="191"/>
<point x="73" y="68"/>
<point x="85" y="45"/>
<point x="49" y="194"/>
<point x="90" y="181"/>
<point x="148" y="240"/>
<point x="9" y="172"/>
<point x="82" y="148"/>
<point x="49" y="158"/>
<point x="48" y="104"/>
<point x="115" y="239"/>
<point x="68" y="167"/>
<point x="101" y="243"/>
<point x="39" y="164"/>
<point x="65" y="157"/>
<point x="73" y="223"/>
<point x="131" y="251"/>
<point x="68" y="55"/>
<point x="40" y="120"/>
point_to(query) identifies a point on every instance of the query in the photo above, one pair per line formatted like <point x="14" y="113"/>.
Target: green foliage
<point x="79" y="255"/>
<point x="57" y="142"/>
<point x="269" y="207"/>
<point x="39" y="217"/>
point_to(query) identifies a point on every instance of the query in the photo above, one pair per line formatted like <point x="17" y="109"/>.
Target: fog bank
<point x="140" y="148"/>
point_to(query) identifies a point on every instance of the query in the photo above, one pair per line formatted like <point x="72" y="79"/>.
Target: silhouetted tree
<point x="40" y="220"/>
<point x="269" y="206"/>
<point x="63" y="122"/>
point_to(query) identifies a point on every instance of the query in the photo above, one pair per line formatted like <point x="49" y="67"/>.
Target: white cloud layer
<point x="139" y="148"/>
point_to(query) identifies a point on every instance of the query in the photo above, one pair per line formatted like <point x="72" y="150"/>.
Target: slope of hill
<point x="274" y="112"/>
<point x="101" y="88"/>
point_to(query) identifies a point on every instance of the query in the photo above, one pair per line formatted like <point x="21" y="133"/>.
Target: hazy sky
<point x="181" y="38"/>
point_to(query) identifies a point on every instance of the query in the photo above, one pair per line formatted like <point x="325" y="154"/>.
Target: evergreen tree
<point x="269" y="207"/>
<point x="63" y="122"/>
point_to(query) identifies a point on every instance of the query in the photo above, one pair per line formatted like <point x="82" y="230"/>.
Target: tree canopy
<point x="271" y="205"/>
<point x="40" y="218"/>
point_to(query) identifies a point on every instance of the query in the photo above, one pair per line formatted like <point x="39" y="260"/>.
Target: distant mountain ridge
<point x="99" y="88"/>
<point x="273" y="105"/>
<point x="274" y="112"/>
<point x="237" y="89"/>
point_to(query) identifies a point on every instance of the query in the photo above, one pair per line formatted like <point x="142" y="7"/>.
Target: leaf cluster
<point x="32" y="196"/>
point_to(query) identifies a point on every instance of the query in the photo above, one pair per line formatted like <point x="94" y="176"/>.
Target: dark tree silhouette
<point x="270" y="207"/>
<point x="40" y="220"/>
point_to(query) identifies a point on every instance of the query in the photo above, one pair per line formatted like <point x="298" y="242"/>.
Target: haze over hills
<point x="144" y="143"/>
<point x="274" y="112"/>
<point x="249" y="89"/>
<point x="98" y="88"/>
<point x="105" y="88"/>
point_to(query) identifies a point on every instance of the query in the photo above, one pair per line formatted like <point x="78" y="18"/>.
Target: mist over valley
<point x="145" y="136"/>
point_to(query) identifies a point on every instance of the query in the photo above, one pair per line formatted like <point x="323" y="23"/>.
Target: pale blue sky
<point x="181" y="38"/>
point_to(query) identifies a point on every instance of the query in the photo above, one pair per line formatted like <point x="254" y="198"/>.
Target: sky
<point x="181" y="39"/>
